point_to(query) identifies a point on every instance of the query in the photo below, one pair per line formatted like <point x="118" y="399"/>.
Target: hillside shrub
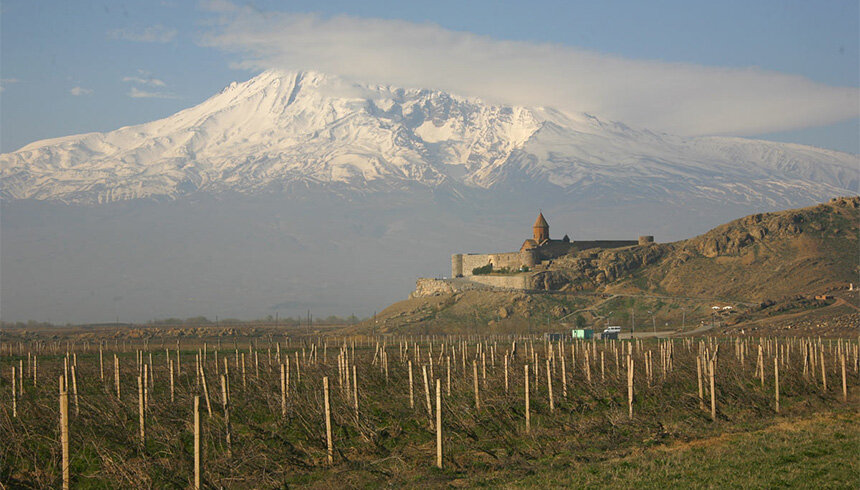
<point x="486" y="269"/>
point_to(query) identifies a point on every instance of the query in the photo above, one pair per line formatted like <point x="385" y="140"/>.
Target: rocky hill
<point x="749" y="259"/>
<point x="754" y="261"/>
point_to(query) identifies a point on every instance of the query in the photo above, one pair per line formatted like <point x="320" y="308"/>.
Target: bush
<point x="482" y="270"/>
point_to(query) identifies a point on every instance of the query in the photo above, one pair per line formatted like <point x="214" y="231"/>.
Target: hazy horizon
<point x="173" y="192"/>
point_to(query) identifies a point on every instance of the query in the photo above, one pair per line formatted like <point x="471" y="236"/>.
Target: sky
<point x="780" y="70"/>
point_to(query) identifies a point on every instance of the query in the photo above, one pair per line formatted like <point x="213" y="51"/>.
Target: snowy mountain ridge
<point x="279" y="129"/>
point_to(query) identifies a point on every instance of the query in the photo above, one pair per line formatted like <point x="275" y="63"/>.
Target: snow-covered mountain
<point x="279" y="130"/>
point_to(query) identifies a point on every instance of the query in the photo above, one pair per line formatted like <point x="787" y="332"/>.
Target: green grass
<point x="818" y="452"/>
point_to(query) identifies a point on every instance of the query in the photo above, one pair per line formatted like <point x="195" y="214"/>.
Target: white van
<point x="612" y="329"/>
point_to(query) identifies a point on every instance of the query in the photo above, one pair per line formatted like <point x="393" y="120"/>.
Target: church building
<point x="543" y="244"/>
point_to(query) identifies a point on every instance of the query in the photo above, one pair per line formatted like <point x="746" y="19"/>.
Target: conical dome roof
<point x="541" y="222"/>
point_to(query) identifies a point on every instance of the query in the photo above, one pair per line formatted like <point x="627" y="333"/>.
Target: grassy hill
<point x="751" y="263"/>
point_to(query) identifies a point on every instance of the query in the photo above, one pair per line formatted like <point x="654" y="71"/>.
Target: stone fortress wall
<point x="516" y="281"/>
<point x="463" y="264"/>
<point x="428" y="287"/>
<point x="589" y="244"/>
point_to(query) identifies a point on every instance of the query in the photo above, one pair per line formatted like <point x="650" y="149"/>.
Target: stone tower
<point x="457" y="265"/>
<point x="541" y="229"/>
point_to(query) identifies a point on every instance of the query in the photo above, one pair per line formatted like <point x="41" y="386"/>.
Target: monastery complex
<point x="513" y="270"/>
<point x="533" y="252"/>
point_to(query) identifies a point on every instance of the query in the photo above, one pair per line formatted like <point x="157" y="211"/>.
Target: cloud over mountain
<point x="681" y="98"/>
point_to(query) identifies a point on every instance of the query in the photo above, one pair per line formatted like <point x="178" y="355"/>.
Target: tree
<point x="482" y="270"/>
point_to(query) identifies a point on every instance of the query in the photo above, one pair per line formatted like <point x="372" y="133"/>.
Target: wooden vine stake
<point x="760" y="364"/>
<point x="64" y="430"/>
<point x="205" y="388"/>
<point x="776" y="382"/>
<point x="427" y="394"/>
<point x="197" y="442"/>
<point x="549" y="386"/>
<point x="283" y="391"/>
<point x="506" y="373"/>
<point x="116" y="374"/>
<point x="602" y="368"/>
<point x="170" y="366"/>
<point x="699" y="377"/>
<point x="75" y="391"/>
<point x="225" y="405"/>
<point x="244" y="381"/>
<point x="14" y="394"/>
<point x="438" y="424"/>
<point x="528" y="414"/>
<point x="630" y="386"/>
<point x="563" y="377"/>
<point x="140" y="402"/>
<point x="712" y="367"/>
<point x="823" y="373"/>
<point x="587" y="366"/>
<point x="448" y="359"/>
<point x="844" y="384"/>
<point x="411" y="390"/>
<point x="329" y="448"/>
<point x="355" y="391"/>
<point x="475" y="376"/>
<point x="146" y="381"/>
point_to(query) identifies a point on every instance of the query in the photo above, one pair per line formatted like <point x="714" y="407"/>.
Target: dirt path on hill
<point x="799" y="314"/>
<point x="841" y="301"/>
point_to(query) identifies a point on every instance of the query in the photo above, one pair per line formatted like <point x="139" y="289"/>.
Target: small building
<point x="823" y="297"/>
<point x="582" y="333"/>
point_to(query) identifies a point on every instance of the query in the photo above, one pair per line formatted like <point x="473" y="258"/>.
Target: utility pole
<point x="633" y="323"/>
